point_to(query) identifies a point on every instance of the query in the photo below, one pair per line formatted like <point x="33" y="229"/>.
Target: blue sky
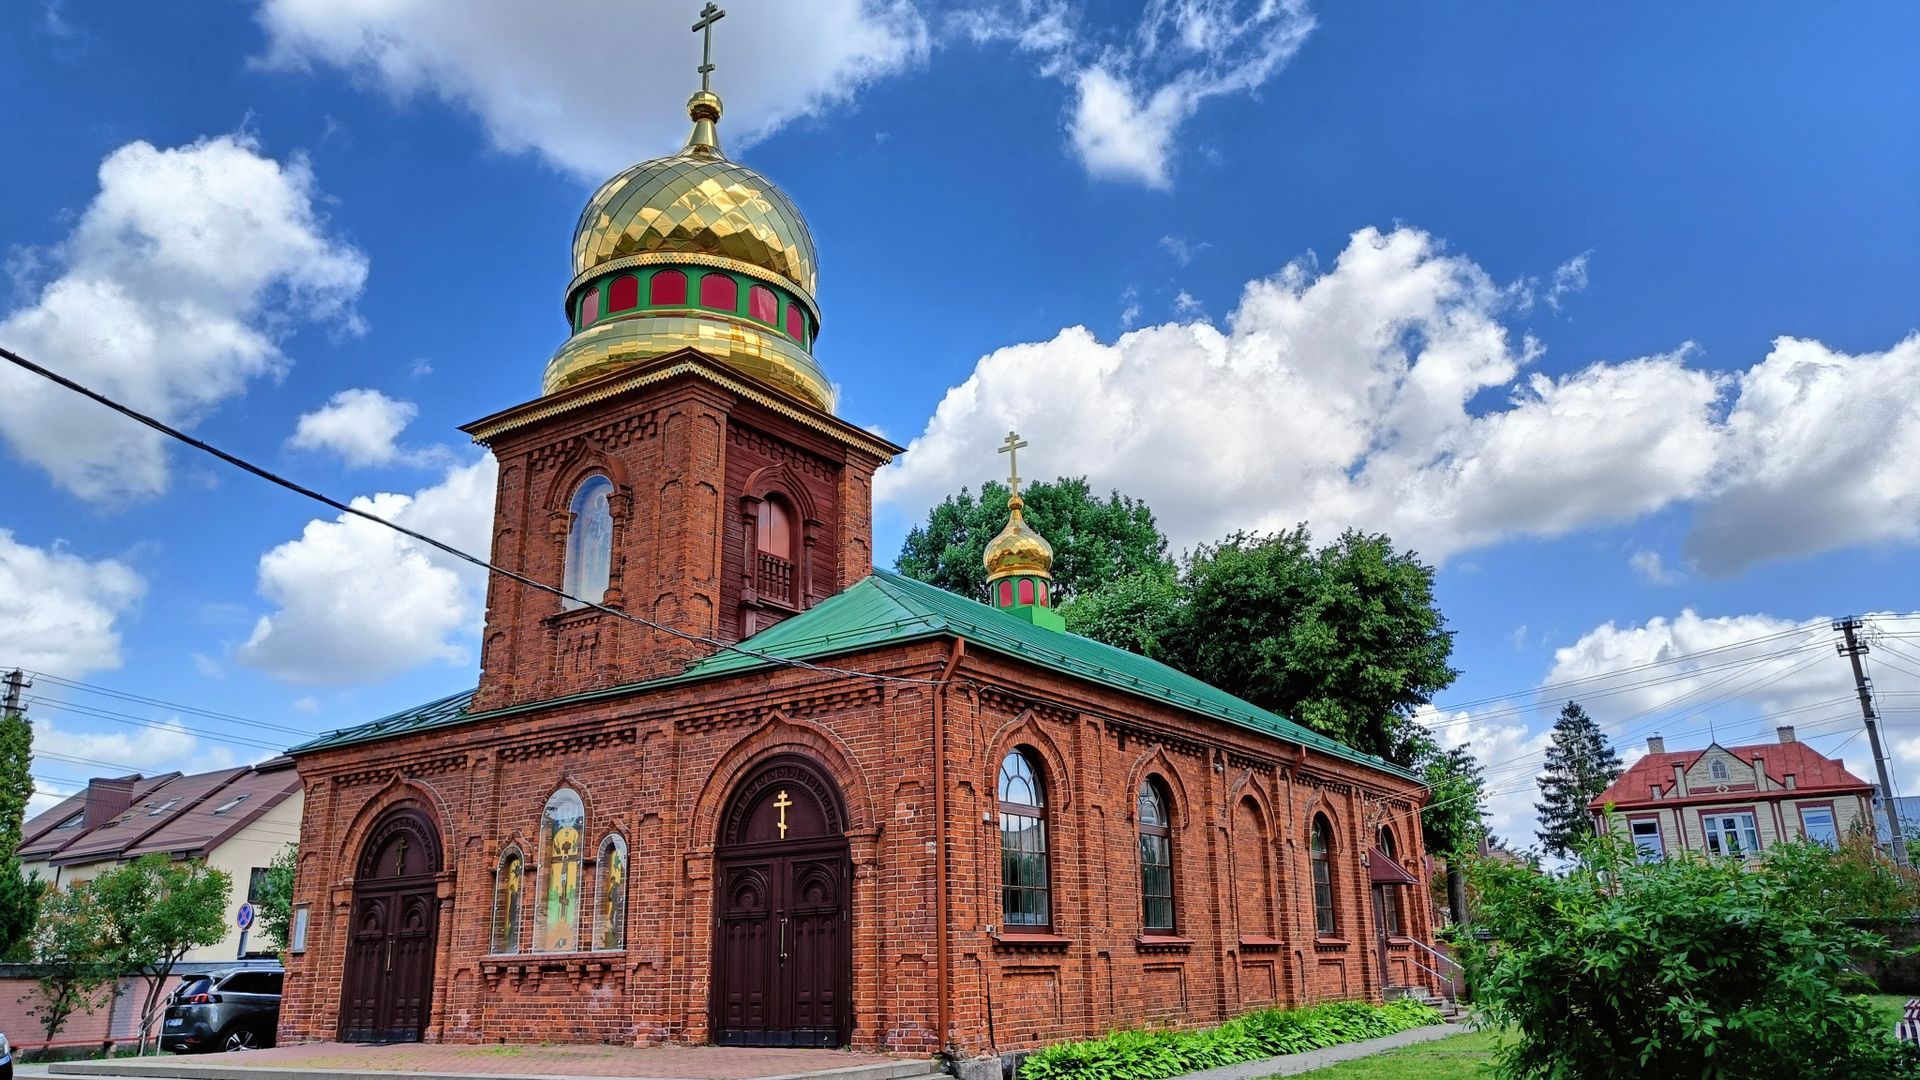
<point x="1610" y="314"/>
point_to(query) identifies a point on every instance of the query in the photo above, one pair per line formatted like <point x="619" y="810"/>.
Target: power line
<point x="155" y="725"/>
<point x="275" y="478"/>
<point x="94" y="688"/>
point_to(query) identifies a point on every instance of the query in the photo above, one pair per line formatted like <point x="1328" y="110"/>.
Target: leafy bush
<point x="1687" y="966"/>
<point x="1153" y="1054"/>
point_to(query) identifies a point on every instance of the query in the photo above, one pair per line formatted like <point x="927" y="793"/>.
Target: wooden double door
<point x="782" y="966"/>
<point x="387" y="987"/>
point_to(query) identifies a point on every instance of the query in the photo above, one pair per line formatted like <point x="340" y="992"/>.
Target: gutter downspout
<point x="942" y="981"/>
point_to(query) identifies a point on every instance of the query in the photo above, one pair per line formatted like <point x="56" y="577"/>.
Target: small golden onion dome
<point x="1018" y="550"/>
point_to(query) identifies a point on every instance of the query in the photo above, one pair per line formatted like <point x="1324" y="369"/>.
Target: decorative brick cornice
<point x="578" y="742"/>
<point x="378" y="774"/>
<point x="852" y="697"/>
<point x="1124" y="732"/>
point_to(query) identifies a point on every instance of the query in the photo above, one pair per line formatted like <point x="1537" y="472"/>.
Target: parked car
<point x="229" y="1010"/>
<point x="6" y="1057"/>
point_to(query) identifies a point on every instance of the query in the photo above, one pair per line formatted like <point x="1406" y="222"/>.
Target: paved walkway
<point x="1294" y="1064"/>
<point x="334" y="1061"/>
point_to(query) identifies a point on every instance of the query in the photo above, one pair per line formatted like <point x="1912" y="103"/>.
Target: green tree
<point x="1094" y="540"/>
<point x="1132" y="612"/>
<point x="1580" y="765"/>
<point x="1455" y="819"/>
<point x="1852" y="880"/>
<point x="1346" y="640"/>
<point x="71" y="955"/>
<point x="153" y="911"/>
<point x="1684" y="966"/>
<point x="275" y="906"/>
<point x="19" y="894"/>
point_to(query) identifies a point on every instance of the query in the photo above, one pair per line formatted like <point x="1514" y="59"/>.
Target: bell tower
<point x="682" y="476"/>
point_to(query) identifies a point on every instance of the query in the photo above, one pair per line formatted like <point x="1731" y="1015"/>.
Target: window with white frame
<point x="1731" y="834"/>
<point x="1816" y="824"/>
<point x="1717" y="769"/>
<point x="1646" y="837"/>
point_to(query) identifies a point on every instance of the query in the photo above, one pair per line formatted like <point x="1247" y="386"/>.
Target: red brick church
<point x="737" y="786"/>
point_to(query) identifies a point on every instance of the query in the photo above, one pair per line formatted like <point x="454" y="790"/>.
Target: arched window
<point x="589" y="307"/>
<point x="1042" y="586"/>
<point x="718" y="291"/>
<point x="796" y="324"/>
<point x="556" y="915"/>
<point x="610" y="924"/>
<point x="774" y="574"/>
<point x="1322" y="876"/>
<point x="507" y="880"/>
<point x="624" y="293"/>
<point x="1389" y="894"/>
<point x="1025" y="896"/>
<point x="1718" y="770"/>
<point x="669" y="288"/>
<point x="1156" y="858"/>
<point x="1006" y="594"/>
<point x="589" y="543"/>
<point x="1026" y="590"/>
<point x="763" y="305"/>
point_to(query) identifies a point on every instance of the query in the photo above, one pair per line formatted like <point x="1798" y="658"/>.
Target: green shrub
<point x="1152" y="1054"/>
<point x="1684" y="967"/>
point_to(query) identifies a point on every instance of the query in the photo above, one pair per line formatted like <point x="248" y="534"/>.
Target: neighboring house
<point x="236" y="819"/>
<point x="1734" y="800"/>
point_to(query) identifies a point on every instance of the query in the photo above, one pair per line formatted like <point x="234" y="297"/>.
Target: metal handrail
<point x="1437" y="955"/>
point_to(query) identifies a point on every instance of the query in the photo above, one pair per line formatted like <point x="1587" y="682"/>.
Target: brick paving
<point x="687" y="1062"/>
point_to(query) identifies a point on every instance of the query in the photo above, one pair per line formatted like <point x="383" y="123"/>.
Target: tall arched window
<point x="507" y="880"/>
<point x="589" y="307"/>
<point x="668" y="288"/>
<point x="1156" y="858"/>
<point x="610" y="922"/>
<point x="796" y="324"/>
<point x="1025" y="896"/>
<point x="1389" y="894"/>
<point x="589" y="543"/>
<point x="763" y="305"/>
<point x="1322" y="875"/>
<point x="774" y="576"/>
<point x="718" y="291"/>
<point x="624" y="293"/>
<point x="556" y="914"/>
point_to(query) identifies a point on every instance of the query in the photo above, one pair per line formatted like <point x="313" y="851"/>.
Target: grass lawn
<point x="1458" y="1056"/>
<point x="1889" y="1006"/>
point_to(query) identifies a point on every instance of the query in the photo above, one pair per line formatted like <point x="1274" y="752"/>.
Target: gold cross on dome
<point x="780" y="803"/>
<point x="1011" y="448"/>
<point x="708" y="16"/>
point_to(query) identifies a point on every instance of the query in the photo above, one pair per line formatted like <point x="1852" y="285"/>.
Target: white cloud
<point x="1494" y="742"/>
<point x="1568" y="278"/>
<point x="1820" y="455"/>
<point x="1132" y="95"/>
<point x="170" y="295"/>
<point x="598" y="84"/>
<point x="358" y="602"/>
<point x="1186" y="304"/>
<point x="1182" y="249"/>
<point x="1338" y="398"/>
<point x="207" y="666"/>
<point x="1652" y="569"/>
<point x="359" y="425"/>
<point x="59" y="611"/>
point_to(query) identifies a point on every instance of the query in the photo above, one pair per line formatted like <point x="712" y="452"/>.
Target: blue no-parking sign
<point x="245" y="916"/>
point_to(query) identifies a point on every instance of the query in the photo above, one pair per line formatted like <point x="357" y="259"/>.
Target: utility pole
<point x="16" y="682"/>
<point x="1853" y="650"/>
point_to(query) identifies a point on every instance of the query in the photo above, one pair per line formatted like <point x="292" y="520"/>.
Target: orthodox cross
<point x="708" y="16"/>
<point x="400" y="859"/>
<point x="1011" y="448"/>
<point x="780" y="803"/>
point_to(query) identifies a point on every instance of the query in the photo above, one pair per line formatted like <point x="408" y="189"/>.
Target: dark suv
<point x="230" y="1010"/>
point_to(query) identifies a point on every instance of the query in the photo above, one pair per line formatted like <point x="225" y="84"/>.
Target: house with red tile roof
<point x="1734" y="800"/>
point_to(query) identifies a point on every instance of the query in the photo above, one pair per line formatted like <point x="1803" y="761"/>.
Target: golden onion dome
<point x="1018" y="550"/>
<point x="694" y="216"/>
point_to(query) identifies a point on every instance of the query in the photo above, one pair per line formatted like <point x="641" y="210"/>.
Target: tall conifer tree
<point x="19" y="896"/>
<point x="1580" y="765"/>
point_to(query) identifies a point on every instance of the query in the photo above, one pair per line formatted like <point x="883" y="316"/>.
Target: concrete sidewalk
<point x="467" y="1061"/>
<point x="1294" y="1064"/>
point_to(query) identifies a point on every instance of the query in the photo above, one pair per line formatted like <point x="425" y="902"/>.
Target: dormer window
<point x="1718" y="770"/>
<point x="230" y="804"/>
<point x="73" y="822"/>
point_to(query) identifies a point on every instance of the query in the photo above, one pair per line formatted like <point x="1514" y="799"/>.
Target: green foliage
<point x="1346" y="640"/>
<point x="19" y="895"/>
<point x="1455" y="818"/>
<point x="1131" y="613"/>
<point x="1094" y="540"/>
<point x="153" y="911"/>
<point x="275" y="906"/>
<point x="75" y="968"/>
<point x="1580" y="765"/>
<point x="1685" y="966"/>
<point x="1852" y="881"/>
<point x="1149" y="1054"/>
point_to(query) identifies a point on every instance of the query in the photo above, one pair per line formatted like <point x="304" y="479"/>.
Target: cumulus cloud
<point x="358" y="425"/>
<point x="1653" y="569"/>
<point x="1132" y="94"/>
<point x="1495" y="742"/>
<point x="1340" y="398"/>
<point x="357" y="602"/>
<point x="575" y="88"/>
<point x="1819" y="455"/>
<point x="59" y="612"/>
<point x="170" y="294"/>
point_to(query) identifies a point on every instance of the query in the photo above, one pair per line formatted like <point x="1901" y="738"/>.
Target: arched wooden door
<point x="387" y="990"/>
<point x="782" y="942"/>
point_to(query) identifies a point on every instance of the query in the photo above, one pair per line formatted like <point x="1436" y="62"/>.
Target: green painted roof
<point x="888" y="609"/>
